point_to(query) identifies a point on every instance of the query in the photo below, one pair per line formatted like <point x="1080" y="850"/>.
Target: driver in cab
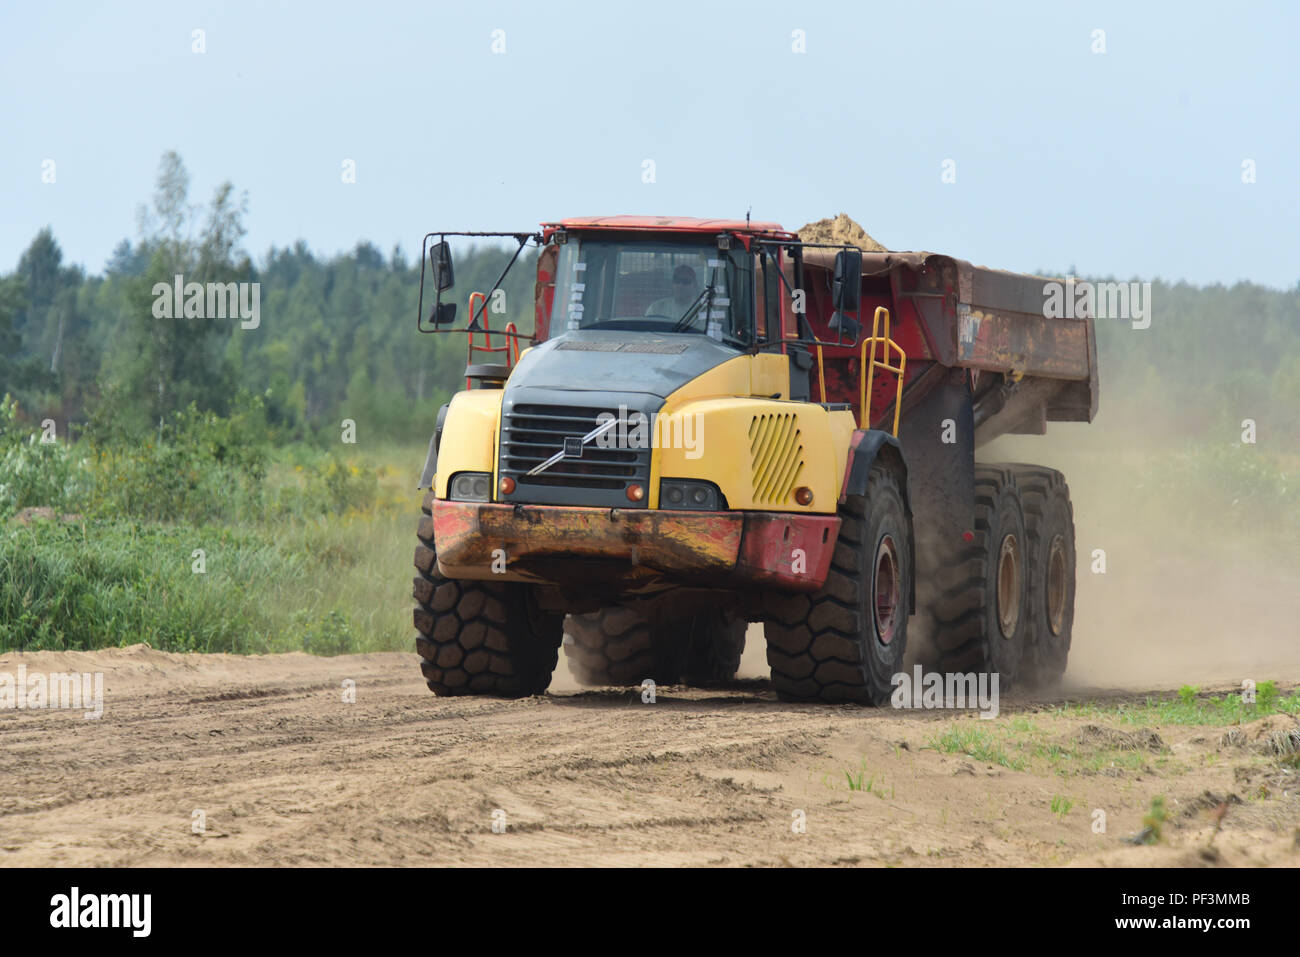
<point x="686" y="287"/>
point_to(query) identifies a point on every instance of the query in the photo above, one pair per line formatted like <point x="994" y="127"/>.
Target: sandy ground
<point x="285" y="771"/>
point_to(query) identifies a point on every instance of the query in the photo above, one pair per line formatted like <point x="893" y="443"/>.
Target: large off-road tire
<point x="619" y="646"/>
<point x="715" y="641"/>
<point x="982" y="614"/>
<point x="846" y="641"/>
<point x="1049" y="525"/>
<point x="475" y="637"/>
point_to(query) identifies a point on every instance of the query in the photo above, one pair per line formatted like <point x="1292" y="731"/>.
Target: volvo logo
<point x="573" y="446"/>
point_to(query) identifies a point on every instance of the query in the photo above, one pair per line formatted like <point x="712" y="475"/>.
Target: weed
<point x="977" y="743"/>
<point x="1154" y="820"/>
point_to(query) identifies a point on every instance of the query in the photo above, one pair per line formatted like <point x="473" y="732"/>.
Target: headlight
<point x="470" y="487"/>
<point x="685" y="493"/>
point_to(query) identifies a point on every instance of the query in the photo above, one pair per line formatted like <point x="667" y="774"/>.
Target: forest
<point x="207" y="463"/>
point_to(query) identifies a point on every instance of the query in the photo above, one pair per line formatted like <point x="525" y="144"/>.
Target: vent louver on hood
<point x="775" y="456"/>
<point x="646" y="348"/>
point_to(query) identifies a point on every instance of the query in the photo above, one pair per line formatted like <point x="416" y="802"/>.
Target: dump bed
<point x="1027" y="369"/>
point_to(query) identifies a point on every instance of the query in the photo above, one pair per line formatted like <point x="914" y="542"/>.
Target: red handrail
<point x="511" y="336"/>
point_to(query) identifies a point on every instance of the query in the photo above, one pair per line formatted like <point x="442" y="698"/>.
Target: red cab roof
<point x="686" y="224"/>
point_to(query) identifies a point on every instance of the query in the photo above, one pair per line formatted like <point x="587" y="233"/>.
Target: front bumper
<point x="575" y="546"/>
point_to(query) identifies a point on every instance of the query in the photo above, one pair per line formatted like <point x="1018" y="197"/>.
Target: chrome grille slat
<point x="532" y="433"/>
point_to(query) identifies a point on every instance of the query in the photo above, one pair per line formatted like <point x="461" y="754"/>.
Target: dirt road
<point x="278" y="768"/>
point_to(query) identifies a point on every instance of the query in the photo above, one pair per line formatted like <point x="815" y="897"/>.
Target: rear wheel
<point x="715" y="641"/>
<point x="1049" y="525"/>
<point x="982" y="614"/>
<point x="846" y="641"/>
<point x="478" y="637"/>
<point x="619" y="646"/>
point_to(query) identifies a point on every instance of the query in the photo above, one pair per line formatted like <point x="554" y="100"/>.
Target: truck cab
<point x="653" y="428"/>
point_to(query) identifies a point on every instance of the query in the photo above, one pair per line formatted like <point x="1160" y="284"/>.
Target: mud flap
<point x="939" y="432"/>
<point x="431" y="460"/>
<point x="863" y="452"/>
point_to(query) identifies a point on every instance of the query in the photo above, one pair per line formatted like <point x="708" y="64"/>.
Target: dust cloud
<point x="1186" y="595"/>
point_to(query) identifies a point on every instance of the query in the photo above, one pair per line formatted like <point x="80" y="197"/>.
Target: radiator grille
<point x="531" y="434"/>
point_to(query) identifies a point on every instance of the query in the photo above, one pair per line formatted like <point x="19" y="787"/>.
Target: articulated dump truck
<point x="713" y="423"/>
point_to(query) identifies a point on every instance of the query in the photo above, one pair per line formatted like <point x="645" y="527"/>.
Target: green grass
<point x="978" y="743"/>
<point x="313" y="569"/>
<point x="1020" y="744"/>
<point x="1061" y="805"/>
<point x="859" y="780"/>
<point x="1190" y="707"/>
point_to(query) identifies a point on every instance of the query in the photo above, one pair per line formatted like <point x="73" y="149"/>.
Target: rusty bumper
<point x="572" y="546"/>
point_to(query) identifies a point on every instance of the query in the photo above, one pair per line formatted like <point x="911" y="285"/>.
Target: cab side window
<point x="767" y="308"/>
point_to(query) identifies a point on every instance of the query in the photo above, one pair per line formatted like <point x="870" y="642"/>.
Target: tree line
<point x="337" y="339"/>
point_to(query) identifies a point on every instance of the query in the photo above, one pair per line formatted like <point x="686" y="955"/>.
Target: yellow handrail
<point x="821" y="372"/>
<point x="870" y="365"/>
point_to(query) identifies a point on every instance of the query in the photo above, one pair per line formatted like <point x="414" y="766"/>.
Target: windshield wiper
<point x="706" y="294"/>
<point x="681" y="324"/>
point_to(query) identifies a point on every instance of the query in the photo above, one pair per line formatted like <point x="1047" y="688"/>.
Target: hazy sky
<point x="1127" y="162"/>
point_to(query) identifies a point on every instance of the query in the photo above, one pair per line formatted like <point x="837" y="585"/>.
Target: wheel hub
<point x="1056" y="572"/>
<point x="886" y="589"/>
<point x="1008" y="585"/>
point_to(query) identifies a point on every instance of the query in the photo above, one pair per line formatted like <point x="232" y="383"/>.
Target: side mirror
<point x="846" y="291"/>
<point x="443" y="276"/>
<point x="444" y="314"/>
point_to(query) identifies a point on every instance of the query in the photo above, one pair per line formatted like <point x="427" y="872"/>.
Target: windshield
<point x="665" y="286"/>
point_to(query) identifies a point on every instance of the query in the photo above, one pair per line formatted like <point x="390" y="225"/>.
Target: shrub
<point x="197" y="465"/>
<point x="33" y="473"/>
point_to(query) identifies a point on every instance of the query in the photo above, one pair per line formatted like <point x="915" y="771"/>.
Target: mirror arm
<point x="522" y="239"/>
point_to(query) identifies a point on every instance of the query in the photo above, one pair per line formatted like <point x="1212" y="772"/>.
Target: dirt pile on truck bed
<point x="841" y="230"/>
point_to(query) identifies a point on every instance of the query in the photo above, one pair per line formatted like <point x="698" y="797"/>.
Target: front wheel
<point x="846" y="641"/>
<point x="488" y="638"/>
